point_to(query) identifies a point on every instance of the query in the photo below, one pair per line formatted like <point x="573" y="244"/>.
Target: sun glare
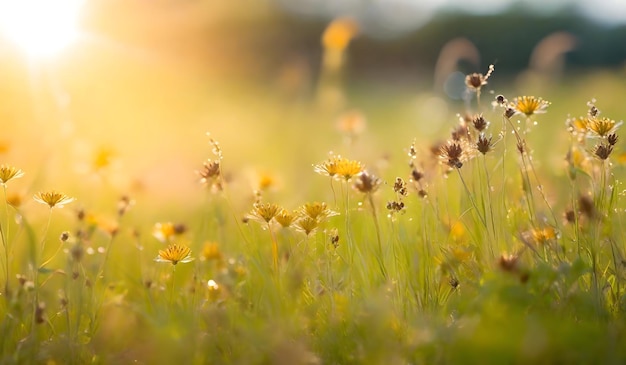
<point x="41" y="28"/>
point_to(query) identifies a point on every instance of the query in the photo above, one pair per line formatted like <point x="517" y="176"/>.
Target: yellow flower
<point x="316" y="210"/>
<point x="264" y="212"/>
<point x="102" y="158"/>
<point x="8" y="173"/>
<point x="328" y="167"/>
<point x="53" y="199"/>
<point x="174" y="254"/>
<point x="211" y="251"/>
<point x="307" y="225"/>
<point x="285" y="218"/>
<point x="530" y="105"/>
<point x="165" y="232"/>
<point x="348" y="168"/>
<point x="602" y="127"/>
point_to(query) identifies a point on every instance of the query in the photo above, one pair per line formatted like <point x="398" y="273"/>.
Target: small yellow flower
<point x="328" y="167"/>
<point x="264" y="212"/>
<point x="8" y="173"/>
<point x="317" y="211"/>
<point x="602" y="127"/>
<point x="211" y="251"/>
<point x="174" y="254"/>
<point x="53" y="199"/>
<point x="348" y="168"/>
<point x="530" y="105"/>
<point x="102" y="158"/>
<point x="285" y="218"/>
<point x="307" y="225"/>
<point x="165" y="232"/>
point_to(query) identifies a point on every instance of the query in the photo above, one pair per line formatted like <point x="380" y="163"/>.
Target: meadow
<point x="346" y="225"/>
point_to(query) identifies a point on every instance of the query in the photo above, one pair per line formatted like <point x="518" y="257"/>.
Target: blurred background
<point x="130" y="87"/>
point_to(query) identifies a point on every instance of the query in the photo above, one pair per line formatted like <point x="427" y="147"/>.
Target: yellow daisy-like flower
<point x="602" y="127"/>
<point x="307" y="225"/>
<point x="285" y="218"/>
<point x="348" y="168"/>
<point x="328" y="167"/>
<point x="316" y="210"/>
<point x="211" y="251"/>
<point x="53" y="199"/>
<point x="264" y="212"/>
<point x="174" y="254"/>
<point x="8" y="173"/>
<point x="530" y="105"/>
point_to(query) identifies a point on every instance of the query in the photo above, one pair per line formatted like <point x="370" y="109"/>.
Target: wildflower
<point x="476" y="81"/>
<point x="367" y="183"/>
<point x="479" y="122"/>
<point x="543" y="235"/>
<point x="211" y="251"/>
<point x="416" y="175"/>
<point x="603" y="151"/>
<point x="15" y="199"/>
<point x="102" y="158"/>
<point x="452" y="154"/>
<point x="53" y="199"/>
<point x="501" y="100"/>
<point x="317" y="211"/>
<point x="602" y="127"/>
<point x="328" y="167"/>
<point x="399" y="187"/>
<point x="530" y="105"/>
<point x="165" y="232"/>
<point x="174" y="254"/>
<point x="285" y="218"/>
<point x="124" y="204"/>
<point x="266" y="181"/>
<point x="395" y="206"/>
<point x="509" y="112"/>
<point x="577" y="125"/>
<point x="484" y="145"/>
<point x="210" y="174"/>
<point x="8" y="173"/>
<point x="348" y="168"/>
<point x="307" y="225"/>
<point x="264" y="212"/>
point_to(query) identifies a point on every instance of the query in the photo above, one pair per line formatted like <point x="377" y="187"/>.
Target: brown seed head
<point x="603" y="151"/>
<point x="367" y="183"/>
<point x="484" y="145"/>
<point x="452" y="154"/>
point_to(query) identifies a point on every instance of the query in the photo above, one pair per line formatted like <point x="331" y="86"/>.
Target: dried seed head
<point x="501" y="100"/>
<point x="452" y="154"/>
<point x="395" y="206"/>
<point x="400" y="187"/>
<point x="612" y="139"/>
<point x="508" y="263"/>
<point x="479" y="122"/>
<point x="483" y="145"/>
<point x="586" y="206"/>
<point x="64" y="236"/>
<point x="367" y="183"/>
<point x="603" y="151"/>
<point x="509" y="112"/>
<point x="416" y="175"/>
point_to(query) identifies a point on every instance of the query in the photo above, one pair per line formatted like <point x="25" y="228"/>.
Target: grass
<point x="392" y="254"/>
